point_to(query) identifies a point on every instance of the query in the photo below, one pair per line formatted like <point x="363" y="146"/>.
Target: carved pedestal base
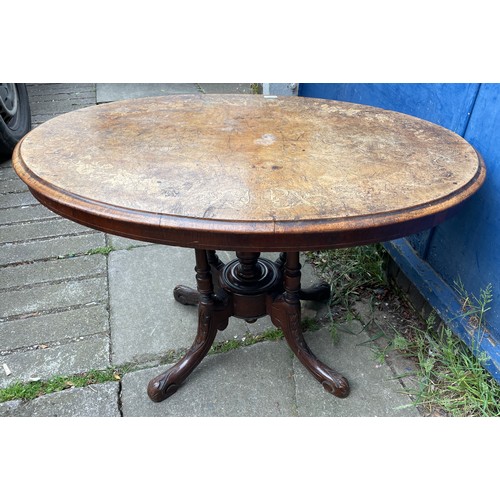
<point x="248" y="288"/>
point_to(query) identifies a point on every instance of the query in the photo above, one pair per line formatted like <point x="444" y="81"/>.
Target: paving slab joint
<point x="119" y="398"/>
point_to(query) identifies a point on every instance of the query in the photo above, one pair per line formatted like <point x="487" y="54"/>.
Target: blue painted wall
<point x="465" y="247"/>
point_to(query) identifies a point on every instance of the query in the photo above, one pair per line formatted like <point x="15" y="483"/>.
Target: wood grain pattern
<point x="234" y="172"/>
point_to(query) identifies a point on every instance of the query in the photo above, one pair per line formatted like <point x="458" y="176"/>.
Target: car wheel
<point x="15" y="116"/>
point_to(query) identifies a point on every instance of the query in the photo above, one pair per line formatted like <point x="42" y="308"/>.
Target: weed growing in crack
<point x="451" y="378"/>
<point x="100" y="250"/>
<point x="449" y="375"/>
<point x="34" y="389"/>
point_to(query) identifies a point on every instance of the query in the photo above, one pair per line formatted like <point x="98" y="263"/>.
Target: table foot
<point x="285" y="314"/>
<point x="319" y="292"/>
<point x="186" y="295"/>
<point x="211" y="318"/>
<point x="287" y="317"/>
<point x="213" y="315"/>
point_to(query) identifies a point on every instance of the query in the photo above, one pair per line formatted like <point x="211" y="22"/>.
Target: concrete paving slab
<point x="53" y="247"/>
<point x="144" y="318"/>
<point x="404" y="367"/>
<point x="146" y="321"/>
<point x="91" y="353"/>
<point x="12" y="185"/>
<point x="55" y="327"/>
<point x="374" y="392"/>
<point x="38" y="98"/>
<point x="99" y="400"/>
<point x="59" y="106"/>
<point x="59" y="90"/>
<point x="108" y="92"/>
<point x="25" y="214"/>
<point x="254" y="381"/>
<point x="40" y="229"/>
<point x="7" y="172"/>
<point x="49" y="296"/>
<point x="120" y="243"/>
<point x="17" y="199"/>
<point x="50" y="100"/>
<point x="53" y="270"/>
<point x="226" y="88"/>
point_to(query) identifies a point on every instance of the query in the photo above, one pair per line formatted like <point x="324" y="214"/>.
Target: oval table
<point x="248" y="173"/>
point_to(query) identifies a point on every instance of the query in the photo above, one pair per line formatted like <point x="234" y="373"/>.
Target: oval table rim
<point x="219" y="234"/>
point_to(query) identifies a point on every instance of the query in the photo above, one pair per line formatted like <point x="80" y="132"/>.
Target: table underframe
<point x="249" y="287"/>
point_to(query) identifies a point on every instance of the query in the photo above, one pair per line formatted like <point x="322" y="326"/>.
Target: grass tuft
<point x="450" y="377"/>
<point x="32" y="390"/>
<point x="101" y="250"/>
<point x="229" y="345"/>
<point x="350" y="270"/>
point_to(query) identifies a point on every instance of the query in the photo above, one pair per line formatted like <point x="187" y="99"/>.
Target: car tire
<point x="15" y="116"/>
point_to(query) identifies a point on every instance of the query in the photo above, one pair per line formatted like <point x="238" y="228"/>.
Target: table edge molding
<point x="271" y="235"/>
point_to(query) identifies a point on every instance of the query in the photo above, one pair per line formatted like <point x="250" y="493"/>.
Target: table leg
<point x="285" y="314"/>
<point x="189" y="296"/>
<point x="318" y="292"/>
<point x="213" y="315"/>
<point x="247" y="288"/>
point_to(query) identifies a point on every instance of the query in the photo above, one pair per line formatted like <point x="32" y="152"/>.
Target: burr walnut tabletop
<point x="246" y="172"/>
<point x="250" y="174"/>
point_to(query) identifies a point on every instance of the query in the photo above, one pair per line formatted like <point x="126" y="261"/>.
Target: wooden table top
<point x="246" y="172"/>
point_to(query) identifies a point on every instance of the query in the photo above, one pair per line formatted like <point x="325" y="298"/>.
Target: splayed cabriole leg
<point x="213" y="315"/>
<point x="285" y="314"/>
